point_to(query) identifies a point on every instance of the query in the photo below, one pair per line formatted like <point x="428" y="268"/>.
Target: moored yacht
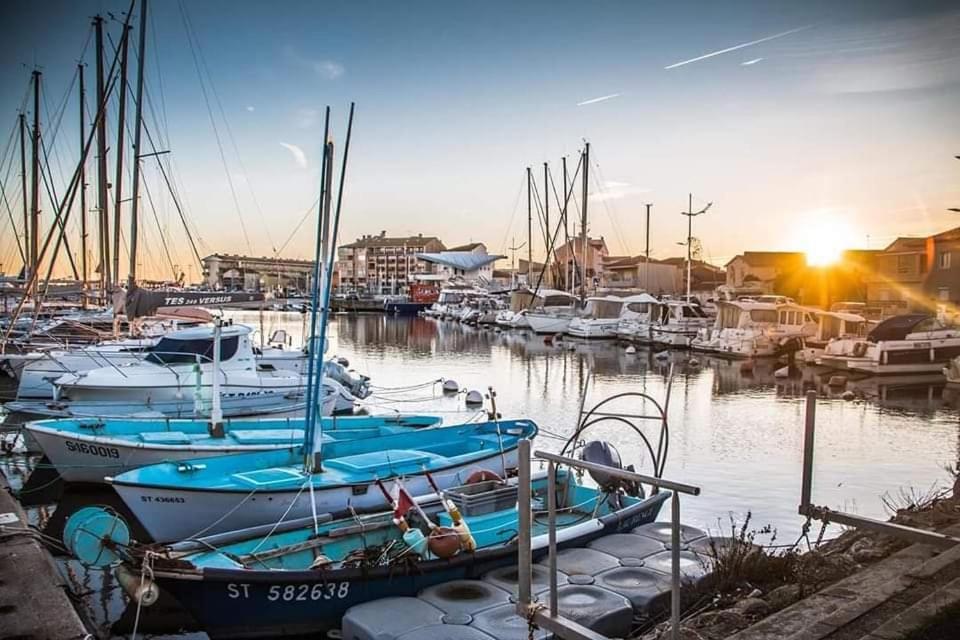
<point x="555" y="312"/>
<point x="599" y="318"/>
<point x="833" y="326"/>
<point x="676" y="323"/>
<point x="635" y="318"/>
<point x="748" y="329"/>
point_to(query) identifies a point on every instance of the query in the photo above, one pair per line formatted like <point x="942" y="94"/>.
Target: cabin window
<point x="693" y="312"/>
<point x="176" y="351"/>
<point x="763" y="315"/>
<point x="943" y="260"/>
<point x="638" y="307"/>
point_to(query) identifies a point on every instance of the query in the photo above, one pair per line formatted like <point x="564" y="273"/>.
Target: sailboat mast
<point x="121" y="120"/>
<point x="137" y="126"/>
<point x="102" y="219"/>
<point x="35" y="176"/>
<point x="83" y="191"/>
<point x="583" y="219"/>
<point x="566" y="226"/>
<point x="529" y="227"/>
<point x="646" y="264"/>
<point x="546" y="212"/>
<point x="28" y="257"/>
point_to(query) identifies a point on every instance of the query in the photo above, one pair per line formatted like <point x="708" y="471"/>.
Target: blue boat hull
<point x="251" y="604"/>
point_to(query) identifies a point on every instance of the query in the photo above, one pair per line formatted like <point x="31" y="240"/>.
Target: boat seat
<point x="165" y="437"/>
<point x="267" y="477"/>
<point x="367" y="462"/>
<point x="270" y="436"/>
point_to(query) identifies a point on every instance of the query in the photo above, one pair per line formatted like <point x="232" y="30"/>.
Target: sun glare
<point x="824" y="236"/>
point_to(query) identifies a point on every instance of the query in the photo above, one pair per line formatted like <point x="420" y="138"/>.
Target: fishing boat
<point x="302" y="578"/>
<point x="635" y="318"/>
<point x="905" y="344"/>
<point x="677" y="322"/>
<point x="599" y="318"/>
<point x="174" y="500"/>
<point x="88" y="450"/>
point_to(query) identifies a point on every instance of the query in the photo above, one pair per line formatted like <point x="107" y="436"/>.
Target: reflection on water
<point x="735" y="430"/>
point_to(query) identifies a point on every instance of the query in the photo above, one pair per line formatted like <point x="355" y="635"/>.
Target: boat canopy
<point x="180" y="347"/>
<point x="835" y="324"/>
<point x="729" y="314"/>
<point x="897" y="327"/>
<point x="603" y="307"/>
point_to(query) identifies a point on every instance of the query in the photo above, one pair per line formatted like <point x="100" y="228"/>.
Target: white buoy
<point x="631" y="350"/>
<point x="848" y="395"/>
<point x="450" y="386"/>
<point x="782" y="372"/>
<point x="837" y="381"/>
<point x="693" y="362"/>
<point x="662" y="355"/>
<point x="474" y="398"/>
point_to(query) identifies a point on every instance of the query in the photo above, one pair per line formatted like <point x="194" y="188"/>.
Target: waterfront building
<point x="780" y="272"/>
<point x="942" y="285"/>
<point x="468" y="263"/>
<point x="381" y="264"/>
<point x="282" y="276"/>
<point x="626" y="272"/>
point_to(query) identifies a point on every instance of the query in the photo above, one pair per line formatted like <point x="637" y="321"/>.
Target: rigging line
<point x="47" y="177"/>
<point x="540" y="215"/>
<point x="163" y="239"/>
<point x="13" y="224"/>
<point x="310" y="210"/>
<point x="598" y="174"/>
<point x="216" y="131"/>
<point x="516" y="205"/>
<point x="233" y="141"/>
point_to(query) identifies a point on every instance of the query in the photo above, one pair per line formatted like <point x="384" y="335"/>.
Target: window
<point x="174" y="351"/>
<point x="943" y="260"/>
<point x="944" y="292"/>
<point x="904" y="264"/>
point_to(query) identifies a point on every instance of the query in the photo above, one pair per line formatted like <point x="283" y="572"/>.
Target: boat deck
<point x="604" y="586"/>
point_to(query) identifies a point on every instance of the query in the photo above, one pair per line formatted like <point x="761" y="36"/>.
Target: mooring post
<point x="525" y="575"/>
<point x="552" y="534"/>
<point x="675" y="566"/>
<point x="808" y="434"/>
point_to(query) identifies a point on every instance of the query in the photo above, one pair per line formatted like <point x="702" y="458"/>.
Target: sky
<point x="805" y="124"/>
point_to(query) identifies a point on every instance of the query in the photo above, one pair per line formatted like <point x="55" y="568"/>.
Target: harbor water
<point x="735" y="431"/>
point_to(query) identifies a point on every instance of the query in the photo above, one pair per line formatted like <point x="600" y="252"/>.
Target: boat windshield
<point x="692" y="311"/>
<point x="764" y="315"/>
<point x="178" y="351"/>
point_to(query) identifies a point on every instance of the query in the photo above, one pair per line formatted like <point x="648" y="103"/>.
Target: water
<point x="736" y="435"/>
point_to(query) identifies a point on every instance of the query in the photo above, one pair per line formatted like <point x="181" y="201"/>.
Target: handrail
<point x="619" y="473"/>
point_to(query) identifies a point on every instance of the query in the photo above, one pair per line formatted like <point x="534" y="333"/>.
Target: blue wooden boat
<point x="180" y="500"/>
<point x="87" y="450"/>
<point x="302" y="580"/>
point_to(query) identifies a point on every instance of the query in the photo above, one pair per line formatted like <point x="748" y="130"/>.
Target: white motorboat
<point x="504" y="317"/>
<point x="599" y="318"/>
<point x="832" y="326"/>
<point x="952" y="371"/>
<point x="555" y="314"/>
<point x="748" y="329"/>
<point x="905" y="344"/>
<point x="677" y="322"/>
<point x="519" y="320"/>
<point x="635" y="316"/>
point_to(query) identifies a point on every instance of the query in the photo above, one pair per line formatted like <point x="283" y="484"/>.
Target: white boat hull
<point x="548" y="323"/>
<point x="593" y="328"/>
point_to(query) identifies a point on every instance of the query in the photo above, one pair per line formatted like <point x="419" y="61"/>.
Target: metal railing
<point x="827" y="515"/>
<point x="550" y="619"/>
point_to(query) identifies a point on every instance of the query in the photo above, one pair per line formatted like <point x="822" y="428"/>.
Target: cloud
<point x="298" y="155"/>
<point x="750" y="62"/>
<point x="735" y="47"/>
<point x="324" y="68"/>
<point x="250" y="108"/>
<point x="600" y="99"/>
<point x="305" y="117"/>
<point x="613" y="190"/>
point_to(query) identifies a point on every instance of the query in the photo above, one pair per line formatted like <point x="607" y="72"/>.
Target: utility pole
<point x="646" y="264"/>
<point x="27" y="257"/>
<point x="583" y="219"/>
<point x="83" y="191"/>
<point x="529" y="227"/>
<point x="118" y="182"/>
<point x="132" y="276"/>
<point x="690" y="213"/>
<point x="35" y="178"/>
<point x="103" y="219"/>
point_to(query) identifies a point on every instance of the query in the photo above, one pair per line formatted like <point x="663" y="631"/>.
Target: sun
<point x="824" y="236"/>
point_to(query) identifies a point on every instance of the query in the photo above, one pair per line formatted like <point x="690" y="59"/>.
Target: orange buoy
<point x="482" y="475"/>
<point x="444" y="542"/>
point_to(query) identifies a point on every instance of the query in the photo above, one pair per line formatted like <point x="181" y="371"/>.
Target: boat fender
<point x="631" y="350"/>
<point x="450" y="386"/>
<point x="444" y="542"/>
<point x="414" y="539"/>
<point x="474" y="398"/>
<point x="140" y="588"/>
<point x="860" y="349"/>
<point x="483" y="475"/>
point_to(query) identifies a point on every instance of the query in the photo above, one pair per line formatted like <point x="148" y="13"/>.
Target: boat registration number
<point x="294" y="592"/>
<point x="92" y="449"/>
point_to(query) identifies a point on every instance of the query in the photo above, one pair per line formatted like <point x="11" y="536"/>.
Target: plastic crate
<point x="483" y="497"/>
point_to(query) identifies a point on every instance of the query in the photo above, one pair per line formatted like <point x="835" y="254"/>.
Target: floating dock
<point x="605" y="586"/>
<point x="33" y="594"/>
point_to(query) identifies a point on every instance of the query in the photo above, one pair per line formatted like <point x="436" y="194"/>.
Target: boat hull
<point x="548" y="323"/>
<point x="239" y="603"/>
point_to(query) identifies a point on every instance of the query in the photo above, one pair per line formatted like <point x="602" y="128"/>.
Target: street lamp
<point x="690" y="213"/>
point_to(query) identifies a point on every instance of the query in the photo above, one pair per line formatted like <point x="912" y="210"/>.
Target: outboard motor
<point x="601" y="452"/>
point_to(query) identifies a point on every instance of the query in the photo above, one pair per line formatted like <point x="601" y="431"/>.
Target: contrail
<point x="600" y="99"/>
<point x="750" y="62"/>
<point x="734" y="48"/>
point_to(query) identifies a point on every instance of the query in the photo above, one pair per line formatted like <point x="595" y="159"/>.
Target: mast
<point x="28" y="257"/>
<point x="646" y="265"/>
<point x="118" y="181"/>
<point x="132" y="276"/>
<point x="529" y="228"/>
<point x="583" y="219"/>
<point x="566" y="227"/>
<point x="689" y="241"/>
<point x="35" y="176"/>
<point x="83" y="192"/>
<point x="546" y="213"/>
<point x="103" y="224"/>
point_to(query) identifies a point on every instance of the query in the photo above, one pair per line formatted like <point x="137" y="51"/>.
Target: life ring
<point x="860" y="349"/>
<point x="483" y="475"/>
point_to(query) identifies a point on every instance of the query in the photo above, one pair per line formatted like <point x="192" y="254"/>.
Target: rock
<point x="756" y="593"/>
<point x="720" y="624"/>
<point x="783" y="597"/>
<point x="867" y="550"/>
<point x="820" y="570"/>
<point x="752" y="607"/>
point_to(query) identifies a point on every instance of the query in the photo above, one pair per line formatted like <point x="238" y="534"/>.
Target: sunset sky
<point x="814" y="122"/>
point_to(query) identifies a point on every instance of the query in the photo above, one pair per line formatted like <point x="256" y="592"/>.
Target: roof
<point x="624" y="262"/>
<point x="906" y="244"/>
<point x="949" y="234"/>
<point x="470" y="246"/>
<point x="770" y="258"/>
<point x="463" y="260"/>
<point x="388" y="241"/>
<point x="240" y="258"/>
<point x="643" y="297"/>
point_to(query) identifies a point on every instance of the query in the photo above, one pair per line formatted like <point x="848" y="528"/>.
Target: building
<point x="248" y="273"/>
<point x="475" y="267"/>
<point x="383" y="265"/>
<point x="899" y="273"/>
<point x="704" y="277"/>
<point x="569" y="261"/>
<point x="942" y="285"/>
<point x="657" y="277"/>
<point x="781" y="272"/>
